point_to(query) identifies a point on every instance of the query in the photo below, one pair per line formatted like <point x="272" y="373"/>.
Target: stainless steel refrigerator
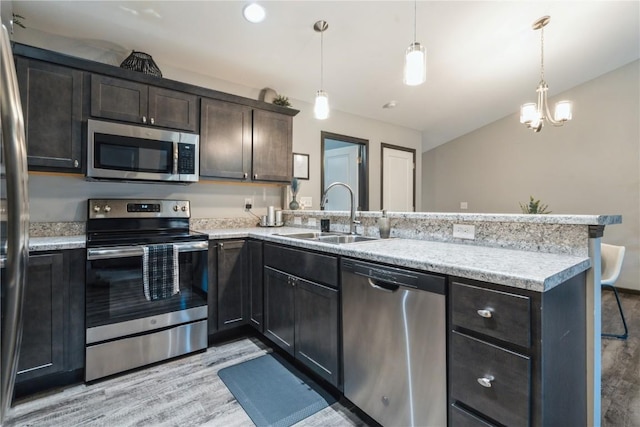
<point x="15" y="233"/>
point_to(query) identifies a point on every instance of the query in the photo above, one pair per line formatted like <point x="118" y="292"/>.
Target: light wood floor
<point x="621" y="363"/>
<point x="188" y="392"/>
<point x="182" y="392"/>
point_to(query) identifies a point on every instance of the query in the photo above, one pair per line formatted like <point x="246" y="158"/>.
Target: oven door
<point x="116" y="305"/>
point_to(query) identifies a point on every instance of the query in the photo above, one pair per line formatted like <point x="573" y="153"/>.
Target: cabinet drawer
<point x="308" y="265"/>
<point x="494" y="313"/>
<point x="460" y="417"/>
<point x="505" y="398"/>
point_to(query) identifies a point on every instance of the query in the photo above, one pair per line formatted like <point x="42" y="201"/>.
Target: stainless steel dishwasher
<point x="394" y="343"/>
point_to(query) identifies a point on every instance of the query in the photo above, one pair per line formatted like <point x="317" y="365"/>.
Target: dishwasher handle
<point x="383" y="286"/>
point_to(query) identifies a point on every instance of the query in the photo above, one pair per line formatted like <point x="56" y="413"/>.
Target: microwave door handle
<point x="175" y="158"/>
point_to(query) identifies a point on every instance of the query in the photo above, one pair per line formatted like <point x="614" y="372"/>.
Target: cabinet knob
<point x="152" y="121"/>
<point x="221" y="245"/>
<point x="486" y="381"/>
<point x="144" y="119"/>
<point x="245" y="175"/>
<point x="485" y="313"/>
<point x="255" y="176"/>
<point x="76" y="163"/>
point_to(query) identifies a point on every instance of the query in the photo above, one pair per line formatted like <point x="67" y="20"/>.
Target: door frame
<point x="399" y="148"/>
<point x="363" y="168"/>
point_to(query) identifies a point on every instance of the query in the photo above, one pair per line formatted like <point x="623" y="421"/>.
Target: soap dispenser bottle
<point x="383" y="225"/>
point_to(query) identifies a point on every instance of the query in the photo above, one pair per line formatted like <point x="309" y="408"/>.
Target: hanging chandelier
<point x="415" y="58"/>
<point x="533" y="115"/>
<point x="321" y="106"/>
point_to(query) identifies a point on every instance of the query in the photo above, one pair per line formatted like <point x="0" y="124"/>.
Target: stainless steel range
<point x="146" y="291"/>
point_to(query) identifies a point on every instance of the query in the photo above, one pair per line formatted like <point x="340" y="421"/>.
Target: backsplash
<point x="561" y="234"/>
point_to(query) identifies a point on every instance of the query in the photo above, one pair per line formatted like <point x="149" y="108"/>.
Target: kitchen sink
<point x="346" y="238"/>
<point x="329" y="237"/>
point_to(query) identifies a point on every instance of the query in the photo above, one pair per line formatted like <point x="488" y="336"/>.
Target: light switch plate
<point x="297" y="220"/>
<point x="463" y="231"/>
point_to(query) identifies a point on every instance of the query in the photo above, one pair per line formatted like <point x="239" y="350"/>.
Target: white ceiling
<point x="483" y="56"/>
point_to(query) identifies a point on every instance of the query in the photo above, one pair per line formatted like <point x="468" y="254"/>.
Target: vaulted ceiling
<point x="483" y="56"/>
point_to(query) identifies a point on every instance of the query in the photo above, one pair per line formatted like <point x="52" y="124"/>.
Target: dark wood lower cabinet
<point x="316" y="328"/>
<point x="228" y="284"/>
<point x="301" y="317"/>
<point x="53" y="317"/>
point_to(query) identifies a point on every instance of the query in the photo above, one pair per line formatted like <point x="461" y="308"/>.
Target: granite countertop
<point x="534" y="271"/>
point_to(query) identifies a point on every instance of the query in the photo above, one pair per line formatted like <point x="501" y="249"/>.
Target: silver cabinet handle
<point x="152" y="121"/>
<point x="485" y="313"/>
<point x="144" y="119"/>
<point x="486" y="381"/>
<point x="76" y="163"/>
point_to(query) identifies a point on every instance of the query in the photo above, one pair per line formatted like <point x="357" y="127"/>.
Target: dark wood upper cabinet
<point x="272" y="146"/>
<point x="225" y="140"/>
<point x="51" y="98"/>
<point x="238" y="142"/>
<point x="134" y="102"/>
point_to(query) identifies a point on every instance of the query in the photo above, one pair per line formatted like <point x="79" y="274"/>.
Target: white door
<point x="341" y="164"/>
<point x="397" y="180"/>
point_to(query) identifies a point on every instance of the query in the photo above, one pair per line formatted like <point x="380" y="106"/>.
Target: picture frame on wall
<point x="301" y="166"/>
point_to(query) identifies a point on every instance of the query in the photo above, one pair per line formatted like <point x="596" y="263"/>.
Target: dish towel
<point x="160" y="273"/>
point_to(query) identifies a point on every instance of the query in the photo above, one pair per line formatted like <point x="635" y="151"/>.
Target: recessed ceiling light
<point x="253" y="12"/>
<point x="390" y="104"/>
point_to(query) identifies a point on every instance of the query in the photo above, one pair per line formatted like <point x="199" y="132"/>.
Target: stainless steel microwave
<point x="133" y="152"/>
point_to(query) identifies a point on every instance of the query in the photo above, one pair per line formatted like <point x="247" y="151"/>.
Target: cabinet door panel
<point x="225" y="140"/>
<point x="42" y="348"/>
<point x="232" y="288"/>
<point x="118" y="99"/>
<point x="316" y="328"/>
<point x="172" y="109"/>
<point x="272" y="146"/>
<point x="279" y="309"/>
<point x="51" y="98"/>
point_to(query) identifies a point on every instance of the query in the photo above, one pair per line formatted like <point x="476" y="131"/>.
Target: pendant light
<point x="415" y="58"/>
<point x="321" y="106"/>
<point x="533" y="115"/>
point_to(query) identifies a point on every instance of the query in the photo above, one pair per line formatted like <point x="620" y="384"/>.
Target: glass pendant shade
<point x="563" y="111"/>
<point x="415" y="65"/>
<point x="529" y="113"/>
<point x="321" y="107"/>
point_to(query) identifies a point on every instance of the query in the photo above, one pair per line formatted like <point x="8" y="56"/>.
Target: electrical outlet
<point x="463" y="231"/>
<point x="297" y="220"/>
<point x="311" y="222"/>
<point x="464" y="205"/>
<point x="306" y="202"/>
<point x="248" y="204"/>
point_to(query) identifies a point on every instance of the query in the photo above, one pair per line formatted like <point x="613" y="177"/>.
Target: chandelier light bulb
<point x="528" y="112"/>
<point x="563" y="111"/>
<point x="415" y="65"/>
<point x="321" y="107"/>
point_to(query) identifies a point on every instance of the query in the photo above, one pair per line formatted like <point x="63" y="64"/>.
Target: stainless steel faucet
<point x="352" y="219"/>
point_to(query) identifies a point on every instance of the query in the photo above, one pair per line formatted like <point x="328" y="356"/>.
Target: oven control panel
<point x="136" y="208"/>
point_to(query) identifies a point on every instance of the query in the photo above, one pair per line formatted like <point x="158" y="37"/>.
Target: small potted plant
<point x="282" y="101"/>
<point x="534" y="207"/>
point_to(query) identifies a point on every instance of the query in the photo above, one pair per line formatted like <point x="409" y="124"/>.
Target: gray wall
<point x="589" y="166"/>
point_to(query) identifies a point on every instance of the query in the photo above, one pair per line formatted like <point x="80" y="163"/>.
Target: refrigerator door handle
<point x="15" y="160"/>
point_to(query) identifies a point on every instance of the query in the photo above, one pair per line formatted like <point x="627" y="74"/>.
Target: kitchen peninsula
<point x="550" y="260"/>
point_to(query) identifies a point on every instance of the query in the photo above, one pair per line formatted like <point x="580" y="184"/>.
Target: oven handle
<point x="131" y="251"/>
